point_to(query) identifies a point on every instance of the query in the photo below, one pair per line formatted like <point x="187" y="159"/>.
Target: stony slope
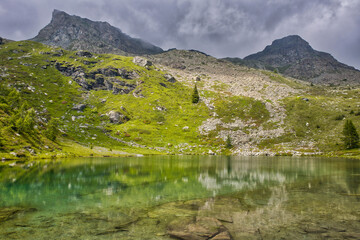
<point x="302" y="117"/>
<point x="294" y="57"/>
<point x="76" y="33"/>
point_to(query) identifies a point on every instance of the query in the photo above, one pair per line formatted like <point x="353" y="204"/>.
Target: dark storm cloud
<point x="218" y="27"/>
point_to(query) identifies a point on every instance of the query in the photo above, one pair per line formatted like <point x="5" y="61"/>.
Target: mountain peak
<point x="294" y="57"/>
<point x="75" y="33"/>
<point x="291" y="41"/>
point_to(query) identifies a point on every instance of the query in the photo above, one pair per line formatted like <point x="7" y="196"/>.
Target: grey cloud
<point x="217" y="27"/>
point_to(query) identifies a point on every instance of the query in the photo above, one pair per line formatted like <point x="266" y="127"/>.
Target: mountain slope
<point x="76" y="33"/>
<point x="105" y="104"/>
<point x="294" y="57"/>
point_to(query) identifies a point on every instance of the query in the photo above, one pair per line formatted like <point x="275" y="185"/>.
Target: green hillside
<point x="57" y="103"/>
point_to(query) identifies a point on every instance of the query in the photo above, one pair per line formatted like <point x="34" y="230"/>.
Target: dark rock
<point x="1" y="40"/>
<point x="163" y="84"/>
<point x="178" y="66"/>
<point x="89" y="62"/>
<point x="123" y="88"/>
<point x="79" y="107"/>
<point x="305" y="99"/>
<point x="83" y="54"/>
<point x="169" y="78"/>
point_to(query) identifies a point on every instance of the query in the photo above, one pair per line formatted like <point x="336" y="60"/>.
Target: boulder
<point x="160" y="108"/>
<point x="1" y="40"/>
<point x="197" y="78"/>
<point x="142" y="62"/>
<point x="79" y="107"/>
<point x="117" y="117"/>
<point x="169" y="78"/>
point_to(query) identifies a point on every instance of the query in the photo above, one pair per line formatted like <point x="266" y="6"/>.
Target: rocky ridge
<point x="76" y="33"/>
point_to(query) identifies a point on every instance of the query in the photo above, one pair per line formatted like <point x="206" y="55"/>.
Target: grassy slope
<point x="52" y="95"/>
<point x="310" y="125"/>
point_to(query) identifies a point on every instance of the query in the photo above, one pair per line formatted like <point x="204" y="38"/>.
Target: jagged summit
<point x="76" y="33"/>
<point x="294" y="57"/>
<point x="291" y="46"/>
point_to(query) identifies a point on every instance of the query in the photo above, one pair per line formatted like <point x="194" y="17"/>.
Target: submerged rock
<point x="202" y="228"/>
<point x="8" y="213"/>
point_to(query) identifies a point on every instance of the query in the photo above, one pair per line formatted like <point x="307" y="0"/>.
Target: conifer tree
<point x="228" y="142"/>
<point x="52" y="130"/>
<point x="351" y="137"/>
<point x="195" y="95"/>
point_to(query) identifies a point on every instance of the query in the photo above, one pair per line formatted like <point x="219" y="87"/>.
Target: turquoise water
<point x="158" y="197"/>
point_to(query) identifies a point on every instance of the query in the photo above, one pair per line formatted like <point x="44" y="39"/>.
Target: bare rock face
<point x="76" y="33"/>
<point x="117" y="117"/>
<point x="142" y="62"/>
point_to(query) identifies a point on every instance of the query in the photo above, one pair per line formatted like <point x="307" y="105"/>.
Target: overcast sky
<point x="234" y="28"/>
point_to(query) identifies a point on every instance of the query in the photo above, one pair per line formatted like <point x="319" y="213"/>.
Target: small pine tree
<point x="351" y="137"/>
<point x="29" y="120"/>
<point x="195" y="95"/>
<point x="228" y="142"/>
<point x="52" y="130"/>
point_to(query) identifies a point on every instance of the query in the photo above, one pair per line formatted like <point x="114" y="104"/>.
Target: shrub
<point x="340" y="117"/>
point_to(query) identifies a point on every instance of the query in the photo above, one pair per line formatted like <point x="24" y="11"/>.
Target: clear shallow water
<point x="181" y="196"/>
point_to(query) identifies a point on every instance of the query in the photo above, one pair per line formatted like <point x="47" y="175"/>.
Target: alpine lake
<point x="181" y="197"/>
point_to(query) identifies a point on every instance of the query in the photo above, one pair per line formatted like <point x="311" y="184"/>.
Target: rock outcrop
<point x="76" y="33"/>
<point x="109" y="78"/>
